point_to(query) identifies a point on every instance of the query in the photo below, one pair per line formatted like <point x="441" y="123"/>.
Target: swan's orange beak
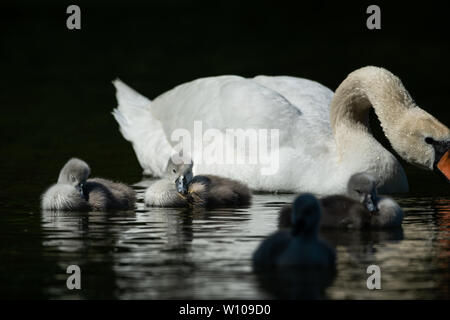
<point x="444" y="165"/>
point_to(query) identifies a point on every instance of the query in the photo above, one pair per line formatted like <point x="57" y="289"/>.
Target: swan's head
<point x="416" y="136"/>
<point x="423" y="141"/>
<point x="75" y="173"/>
<point x="362" y="187"/>
<point x="306" y="214"/>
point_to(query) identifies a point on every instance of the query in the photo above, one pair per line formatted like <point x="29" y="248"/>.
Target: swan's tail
<point x="138" y="126"/>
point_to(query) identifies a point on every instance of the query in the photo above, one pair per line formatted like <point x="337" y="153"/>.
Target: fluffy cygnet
<point x="211" y="191"/>
<point x="163" y="192"/>
<point x="75" y="192"/>
<point x="361" y="208"/>
<point x="181" y="189"/>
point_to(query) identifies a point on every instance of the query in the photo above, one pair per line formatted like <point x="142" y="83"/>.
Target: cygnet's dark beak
<point x="370" y="202"/>
<point x="181" y="185"/>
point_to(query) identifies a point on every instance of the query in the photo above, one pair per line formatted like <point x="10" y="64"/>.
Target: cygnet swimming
<point x="300" y="245"/>
<point x="360" y="208"/>
<point x="75" y="192"/>
<point x="202" y="191"/>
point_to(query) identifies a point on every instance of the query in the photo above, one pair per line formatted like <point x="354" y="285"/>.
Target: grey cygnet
<point x="75" y="192"/>
<point x="360" y="208"/>
<point x="182" y="189"/>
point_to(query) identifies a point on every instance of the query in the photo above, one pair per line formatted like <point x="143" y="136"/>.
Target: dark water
<point x="161" y="253"/>
<point x="56" y="102"/>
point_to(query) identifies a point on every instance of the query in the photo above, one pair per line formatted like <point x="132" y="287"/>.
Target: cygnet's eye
<point x="174" y="170"/>
<point x="72" y="178"/>
<point x="359" y="191"/>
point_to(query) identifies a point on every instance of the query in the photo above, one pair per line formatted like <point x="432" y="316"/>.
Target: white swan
<point x="323" y="137"/>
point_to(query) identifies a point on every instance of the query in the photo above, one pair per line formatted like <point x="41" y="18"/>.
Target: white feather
<point x="138" y="126"/>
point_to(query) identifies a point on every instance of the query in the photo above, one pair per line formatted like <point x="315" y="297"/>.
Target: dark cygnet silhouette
<point x="361" y="208"/>
<point x="75" y="192"/>
<point x="299" y="246"/>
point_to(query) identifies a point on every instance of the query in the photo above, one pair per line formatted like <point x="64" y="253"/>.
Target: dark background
<point x="57" y="95"/>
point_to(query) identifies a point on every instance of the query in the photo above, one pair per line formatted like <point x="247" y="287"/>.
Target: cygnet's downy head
<point x="306" y="214"/>
<point x="177" y="164"/>
<point x="362" y="187"/>
<point x="75" y="172"/>
<point x="184" y="177"/>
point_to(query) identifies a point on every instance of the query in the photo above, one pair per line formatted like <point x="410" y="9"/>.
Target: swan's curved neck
<point x="362" y="89"/>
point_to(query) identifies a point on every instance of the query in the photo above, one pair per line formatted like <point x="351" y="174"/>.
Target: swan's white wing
<point x="311" y="97"/>
<point x="314" y="135"/>
<point x="225" y="102"/>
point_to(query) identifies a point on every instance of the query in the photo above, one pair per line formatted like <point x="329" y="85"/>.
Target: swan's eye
<point x="429" y="140"/>
<point x="174" y="171"/>
<point x="359" y="191"/>
<point x="72" y="178"/>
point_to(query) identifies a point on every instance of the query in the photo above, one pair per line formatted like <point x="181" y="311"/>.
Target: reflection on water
<point x="156" y="253"/>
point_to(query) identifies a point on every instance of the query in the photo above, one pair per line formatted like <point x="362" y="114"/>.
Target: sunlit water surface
<point x="157" y="253"/>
